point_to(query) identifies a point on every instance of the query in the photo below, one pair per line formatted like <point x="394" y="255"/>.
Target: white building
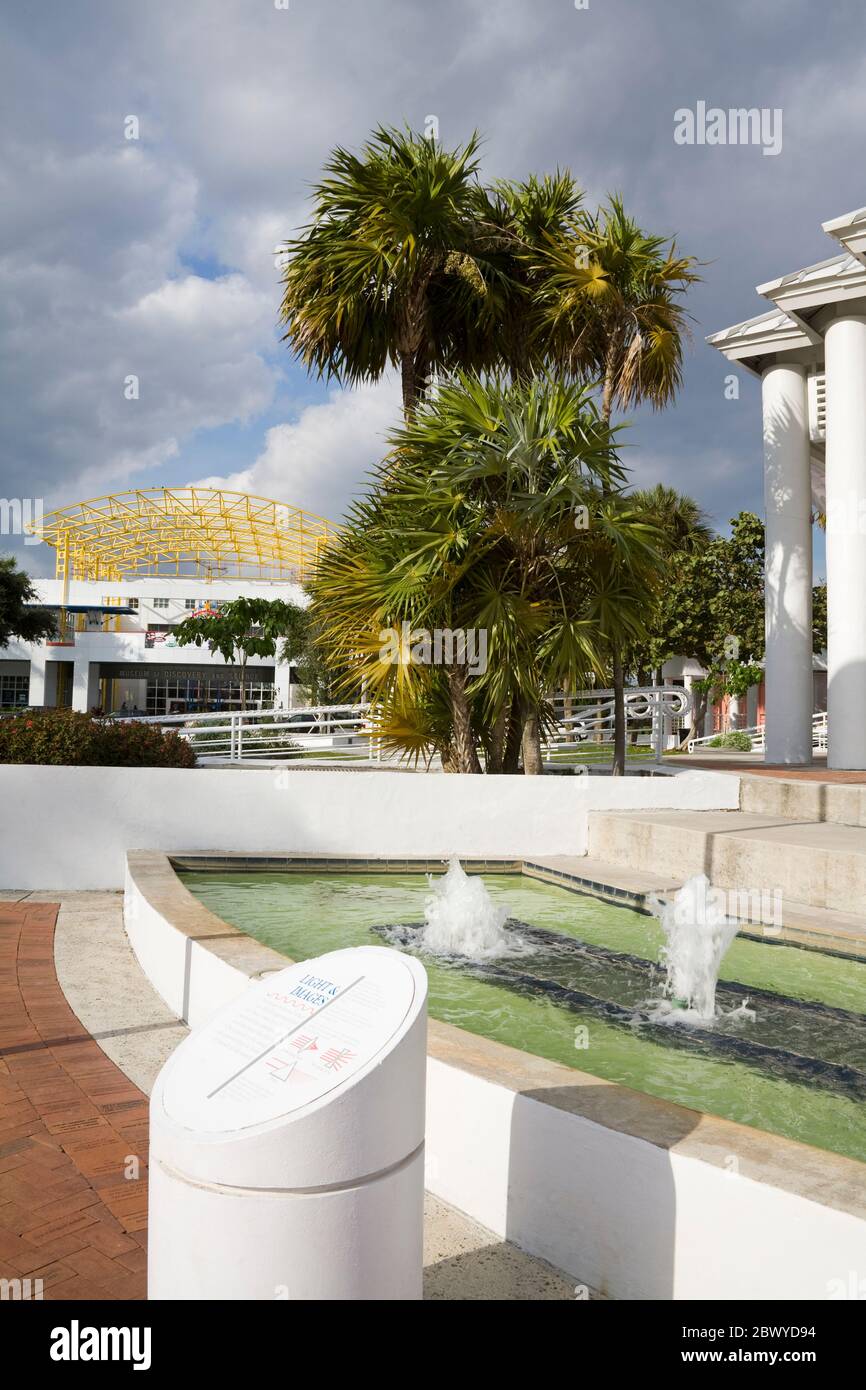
<point x="810" y="352"/>
<point x="130" y="567"/>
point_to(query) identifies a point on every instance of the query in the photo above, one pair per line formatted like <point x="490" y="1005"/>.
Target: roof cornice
<point x="758" y="337"/>
<point x="826" y="282"/>
<point x="850" y="230"/>
<point x="797" y="296"/>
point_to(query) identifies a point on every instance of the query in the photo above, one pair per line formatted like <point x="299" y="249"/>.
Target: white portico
<point x="810" y="353"/>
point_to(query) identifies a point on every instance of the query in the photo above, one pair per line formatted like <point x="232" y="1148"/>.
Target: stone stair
<point x="803" y="800"/>
<point x="818" y="865"/>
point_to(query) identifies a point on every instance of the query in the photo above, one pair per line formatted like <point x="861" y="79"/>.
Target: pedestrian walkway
<point x="73" y="1134"/>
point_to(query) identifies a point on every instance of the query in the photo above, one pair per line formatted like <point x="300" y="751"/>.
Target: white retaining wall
<point x="70" y="827"/>
<point x="628" y="1217"/>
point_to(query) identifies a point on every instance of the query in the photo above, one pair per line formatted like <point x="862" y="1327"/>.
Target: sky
<point x="152" y="257"/>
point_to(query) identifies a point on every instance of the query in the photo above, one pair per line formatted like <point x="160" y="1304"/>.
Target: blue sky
<point x="154" y="257"/>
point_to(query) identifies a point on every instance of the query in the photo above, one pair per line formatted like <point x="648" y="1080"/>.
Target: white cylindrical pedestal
<point x="788" y="565"/>
<point x="287" y="1139"/>
<point x="845" y="358"/>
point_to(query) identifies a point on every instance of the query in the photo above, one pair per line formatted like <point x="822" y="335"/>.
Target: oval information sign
<point x="290" y="1039"/>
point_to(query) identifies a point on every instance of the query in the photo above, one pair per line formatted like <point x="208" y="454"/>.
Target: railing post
<point x="659" y="724"/>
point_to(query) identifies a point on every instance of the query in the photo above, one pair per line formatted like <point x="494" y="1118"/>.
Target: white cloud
<point x="319" y="460"/>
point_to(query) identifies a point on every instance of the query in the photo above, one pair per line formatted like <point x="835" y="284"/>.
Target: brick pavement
<point x="72" y="1127"/>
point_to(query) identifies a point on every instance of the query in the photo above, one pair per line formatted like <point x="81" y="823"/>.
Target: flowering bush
<point x="65" y="737"/>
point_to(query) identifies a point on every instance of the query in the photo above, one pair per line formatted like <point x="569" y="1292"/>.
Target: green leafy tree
<point x="819" y="618"/>
<point x="20" y="615"/>
<point x="322" y="684"/>
<point x="242" y="628"/>
<point x="712" y="610"/>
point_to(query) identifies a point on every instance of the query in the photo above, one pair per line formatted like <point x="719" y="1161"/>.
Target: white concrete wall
<point x="622" y="1215"/>
<point x="625" y="1216"/>
<point x="70" y="827"/>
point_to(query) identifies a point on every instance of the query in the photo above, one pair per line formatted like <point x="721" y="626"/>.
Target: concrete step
<point x="822" y="928"/>
<point x="584" y="873"/>
<point x="815" y="864"/>
<point x="803" y="799"/>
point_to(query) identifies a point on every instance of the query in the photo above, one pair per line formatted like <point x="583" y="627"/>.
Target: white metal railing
<point x="240" y="735"/>
<point x="757" y="733"/>
<point x="653" y="717"/>
<point x="584" y="723"/>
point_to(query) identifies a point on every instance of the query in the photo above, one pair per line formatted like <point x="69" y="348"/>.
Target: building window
<point x="196" y="694"/>
<point x="14" y="691"/>
<point x="160" y="603"/>
<point x="190" y="603"/>
<point x="132" y="603"/>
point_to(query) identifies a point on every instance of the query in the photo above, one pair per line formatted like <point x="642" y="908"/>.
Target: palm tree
<point x="616" y="314"/>
<point x="390" y="270"/>
<point x="471" y="526"/>
<point x="520" y="221"/>
<point x="683" y="521"/>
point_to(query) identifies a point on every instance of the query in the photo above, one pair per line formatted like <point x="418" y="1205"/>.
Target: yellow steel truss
<point x="206" y="532"/>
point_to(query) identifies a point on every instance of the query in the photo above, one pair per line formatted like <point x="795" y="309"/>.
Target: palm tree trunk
<point x="532" y="759"/>
<point x="511" y="753"/>
<point x="494" y="762"/>
<point x="567" y="712"/>
<point x="618" y="716"/>
<point x="448" y="763"/>
<point x="409" y="382"/>
<point x="699" y="714"/>
<point x="465" y="752"/>
<point x="618" y="768"/>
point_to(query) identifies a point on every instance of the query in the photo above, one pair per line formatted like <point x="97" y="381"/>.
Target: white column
<point x="788" y="575"/>
<point x="36" y="696"/>
<point x="85" y="684"/>
<point x="845" y="358"/>
<point x="282" y="685"/>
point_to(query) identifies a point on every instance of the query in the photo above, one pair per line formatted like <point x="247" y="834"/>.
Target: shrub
<point x="737" y="741"/>
<point x="63" y="737"/>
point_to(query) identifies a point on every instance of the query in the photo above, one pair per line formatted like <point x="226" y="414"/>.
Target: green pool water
<point x="303" y="915"/>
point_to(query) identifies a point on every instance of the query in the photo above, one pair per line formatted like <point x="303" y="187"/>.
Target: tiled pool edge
<point x="605" y="1182"/>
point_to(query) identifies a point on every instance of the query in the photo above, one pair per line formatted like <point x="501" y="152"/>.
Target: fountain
<point x="549" y="964"/>
<point x="697" y="936"/>
<point x="461" y="919"/>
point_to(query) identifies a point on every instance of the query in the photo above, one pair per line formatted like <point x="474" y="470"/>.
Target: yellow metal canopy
<point x="200" y="531"/>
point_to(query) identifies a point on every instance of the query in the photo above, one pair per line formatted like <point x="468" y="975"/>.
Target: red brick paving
<point x="69" y="1122"/>
<point x="817" y="773"/>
